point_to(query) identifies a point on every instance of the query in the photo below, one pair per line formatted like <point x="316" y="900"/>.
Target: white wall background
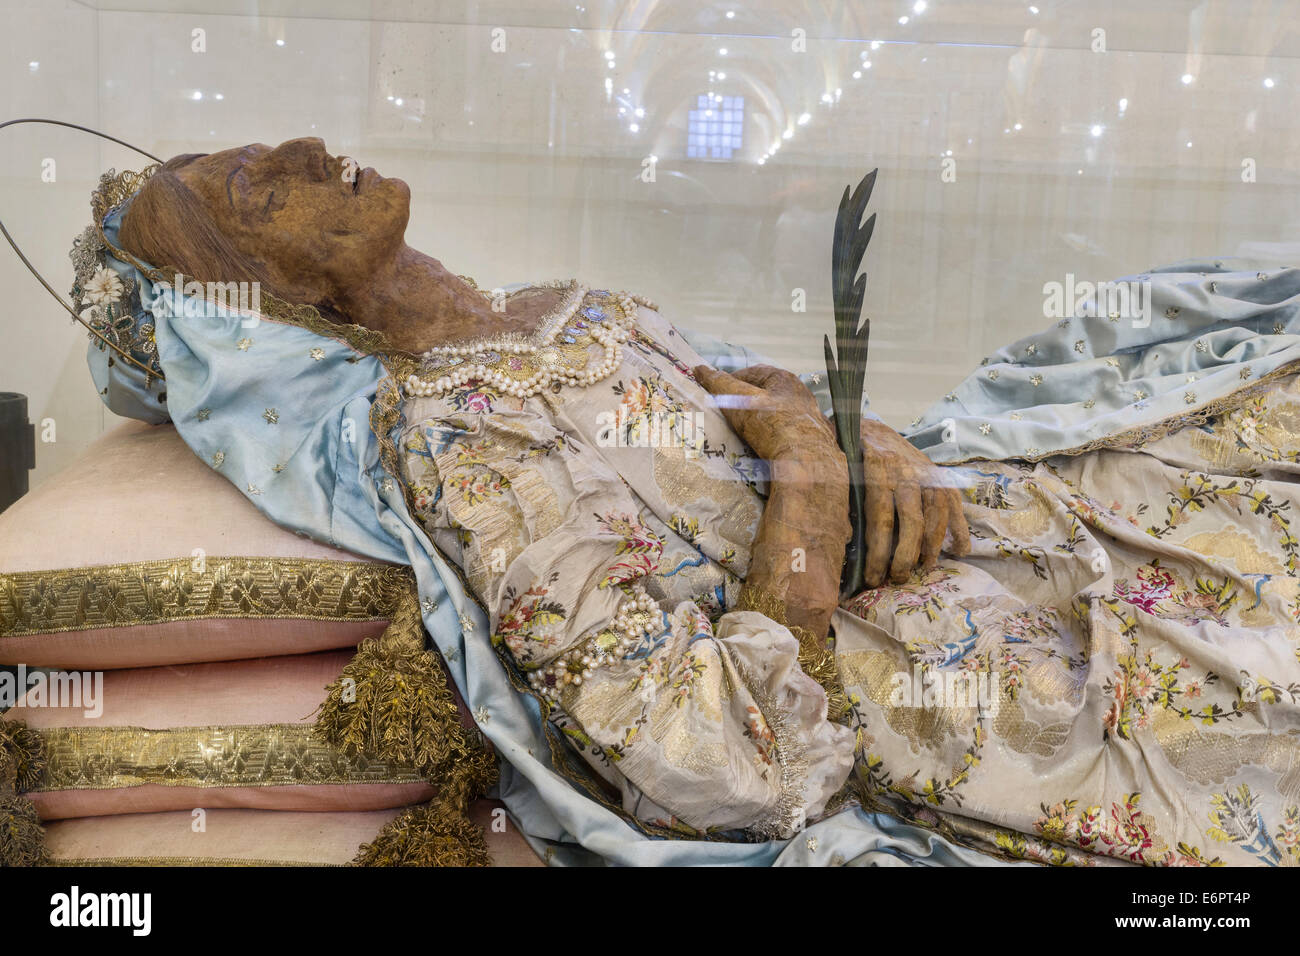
<point x="524" y="166"/>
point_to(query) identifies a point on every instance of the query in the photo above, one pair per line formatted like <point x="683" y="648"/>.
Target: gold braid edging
<point x="245" y="755"/>
<point x="157" y="592"/>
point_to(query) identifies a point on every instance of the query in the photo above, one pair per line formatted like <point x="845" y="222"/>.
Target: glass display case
<point x="695" y="153"/>
<point x="541" y="445"/>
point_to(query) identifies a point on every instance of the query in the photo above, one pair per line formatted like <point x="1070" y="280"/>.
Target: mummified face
<point x="315" y="223"/>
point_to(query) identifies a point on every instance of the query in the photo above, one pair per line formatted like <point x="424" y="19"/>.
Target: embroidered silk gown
<point x="629" y="500"/>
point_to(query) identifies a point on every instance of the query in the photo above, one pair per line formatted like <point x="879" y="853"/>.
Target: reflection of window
<point x="714" y="127"/>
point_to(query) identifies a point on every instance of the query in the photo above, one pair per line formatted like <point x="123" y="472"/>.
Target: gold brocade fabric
<point x="152" y="592"/>
<point x="259" y="755"/>
<point x="1113" y="673"/>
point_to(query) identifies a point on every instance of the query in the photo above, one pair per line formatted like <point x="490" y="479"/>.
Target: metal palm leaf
<point x="846" y="366"/>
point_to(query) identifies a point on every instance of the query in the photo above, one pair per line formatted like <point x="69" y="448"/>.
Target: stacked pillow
<point x="190" y="643"/>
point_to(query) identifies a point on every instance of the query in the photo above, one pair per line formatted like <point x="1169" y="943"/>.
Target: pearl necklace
<point x="636" y="616"/>
<point x="558" y="351"/>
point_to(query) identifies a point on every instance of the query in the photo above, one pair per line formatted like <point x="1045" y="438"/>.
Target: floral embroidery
<point x="529" y="618"/>
<point x="1158" y="593"/>
<point x="1237" y="819"/>
<point x="1125" y="833"/>
<point x="638" y="548"/>
<point x="474" y="396"/>
<point x="649" y="413"/>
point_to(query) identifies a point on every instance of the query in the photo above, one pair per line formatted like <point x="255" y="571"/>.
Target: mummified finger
<point x="911" y="522"/>
<point x="935" y="504"/>
<point x="880" y="520"/>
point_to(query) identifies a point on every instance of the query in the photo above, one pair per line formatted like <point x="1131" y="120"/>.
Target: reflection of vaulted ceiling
<point x="1094" y="138"/>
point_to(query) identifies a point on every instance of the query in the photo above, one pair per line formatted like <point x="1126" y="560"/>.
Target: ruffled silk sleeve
<point x="711" y="726"/>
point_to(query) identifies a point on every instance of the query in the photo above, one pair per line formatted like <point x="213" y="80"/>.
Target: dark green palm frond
<point x="846" y="367"/>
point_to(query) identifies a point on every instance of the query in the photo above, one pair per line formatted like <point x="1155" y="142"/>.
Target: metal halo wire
<point x="41" y="279"/>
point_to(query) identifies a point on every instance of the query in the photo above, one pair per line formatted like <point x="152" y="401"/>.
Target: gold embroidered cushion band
<point x="140" y="555"/>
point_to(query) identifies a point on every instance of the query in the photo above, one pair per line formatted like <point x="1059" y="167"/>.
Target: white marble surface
<point x="523" y="163"/>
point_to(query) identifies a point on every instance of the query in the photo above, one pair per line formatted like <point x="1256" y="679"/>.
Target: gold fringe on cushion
<point x="392" y="703"/>
<point x="22" y="838"/>
<point x="439" y="833"/>
<point x="22" y="756"/>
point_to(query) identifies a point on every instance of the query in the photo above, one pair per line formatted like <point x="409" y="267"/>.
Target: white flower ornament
<point x="104" y="287"/>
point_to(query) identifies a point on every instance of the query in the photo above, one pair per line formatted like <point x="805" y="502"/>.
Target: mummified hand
<point x="798" y="553"/>
<point x="906" y="488"/>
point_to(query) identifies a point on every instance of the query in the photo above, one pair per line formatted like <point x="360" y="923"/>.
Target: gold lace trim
<point x="816" y="656"/>
<point x="153" y="592"/>
<point x="1141" y="434"/>
<point x="257" y="755"/>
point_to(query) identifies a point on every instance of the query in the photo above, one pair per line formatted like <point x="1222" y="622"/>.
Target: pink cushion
<point x="228" y="734"/>
<point x="137" y="512"/>
<point x="246" y="837"/>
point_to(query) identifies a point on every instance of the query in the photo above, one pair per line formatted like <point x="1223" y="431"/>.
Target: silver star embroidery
<point x="1114" y="316"/>
<point x="1139" y="395"/>
<point x="1113" y="362"/>
<point x="1200" y="345"/>
<point x="1031" y="451"/>
<point x="1089" y="403"/>
<point x="482" y="716"/>
<point x="429" y="605"/>
<point x="1189" y="398"/>
<point x="204" y="414"/>
<point x="466" y="623"/>
<point x="1035" y="380"/>
<point x="1031" y="349"/>
<point x="218" y="458"/>
<point x="1278" y="328"/>
<point x="253" y="489"/>
<point x="277" y="468"/>
<point x="244" y="344"/>
<point x="1191" y="378"/>
<point x="811" y="843"/>
<point x="1244" y="373"/>
<point x="1261" y="276"/>
<point x="271" y="415"/>
<point x="950" y="397"/>
<point x="1063" y="323"/>
<point x="452" y="655"/>
<point x="387" y="486"/>
<point x="993" y="374"/>
<point x="550" y="854"/>
<point x="1016" y="416"/>
<point x="317" y="353"/>
<point x="1079" y="344"/>
<point x="985" y="428"/>
<point x="816" y="378"/>
<point x="1171" y="312"/>
<point x="837" y="860"/>
<point x="1214" y="287"/>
